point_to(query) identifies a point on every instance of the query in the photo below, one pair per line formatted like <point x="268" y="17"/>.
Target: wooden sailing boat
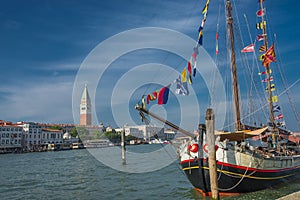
<point x="241" y="166"/>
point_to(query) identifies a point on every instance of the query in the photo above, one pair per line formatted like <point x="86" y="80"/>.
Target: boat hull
<point x="236" y="179"/>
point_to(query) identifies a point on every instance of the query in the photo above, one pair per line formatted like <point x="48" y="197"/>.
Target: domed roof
<point x="67" y="135"/>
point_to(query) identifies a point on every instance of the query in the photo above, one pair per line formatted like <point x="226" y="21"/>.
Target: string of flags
<point x="188" y="71"/>
<point x="266" y="58"/>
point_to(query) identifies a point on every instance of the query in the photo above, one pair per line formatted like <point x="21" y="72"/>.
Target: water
<point x="78" y="175"/>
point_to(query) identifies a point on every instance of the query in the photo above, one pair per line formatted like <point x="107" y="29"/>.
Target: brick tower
<point x="85" y="108"/>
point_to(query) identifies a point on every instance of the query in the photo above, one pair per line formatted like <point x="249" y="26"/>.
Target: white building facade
<point x="11" y="137"/>
<point x="51" y="136"/>
<point x="32" y="135"/>
<point x="145" y="132"/>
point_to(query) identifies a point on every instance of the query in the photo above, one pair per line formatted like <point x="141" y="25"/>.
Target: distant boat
<point x="99" y="143"/>
<point x="249" y="158"/>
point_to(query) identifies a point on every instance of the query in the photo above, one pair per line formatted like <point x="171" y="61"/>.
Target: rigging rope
<point x="286" y="89"/>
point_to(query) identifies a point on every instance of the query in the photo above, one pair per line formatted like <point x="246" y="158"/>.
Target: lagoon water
<point x="77" y="174"/>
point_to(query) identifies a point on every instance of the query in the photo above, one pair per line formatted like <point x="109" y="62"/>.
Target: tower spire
<point x="85" y="108"/>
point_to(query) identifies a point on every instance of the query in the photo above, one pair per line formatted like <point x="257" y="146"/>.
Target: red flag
<point x="190" y="67"/>
<point x="249" y="48"/>
<point x="259" y="37"/>
<point x="260" y="13"/>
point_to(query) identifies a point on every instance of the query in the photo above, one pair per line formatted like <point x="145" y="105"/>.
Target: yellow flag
<point x="183" y="75"/>
<point x="274" y="99"/>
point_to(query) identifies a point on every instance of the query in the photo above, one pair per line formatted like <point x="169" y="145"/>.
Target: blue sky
<point x="43" y="44"/>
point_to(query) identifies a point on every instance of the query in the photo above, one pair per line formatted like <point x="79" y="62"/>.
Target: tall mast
<point x="268" y="74"/>
<point x="229" y="23"/>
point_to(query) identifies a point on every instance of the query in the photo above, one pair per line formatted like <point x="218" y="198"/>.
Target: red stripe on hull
<point x="245" y="168"/>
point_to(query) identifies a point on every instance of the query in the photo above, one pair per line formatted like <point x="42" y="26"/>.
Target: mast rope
<point x="252" y="79"/>
<point x="286" y="88"/>
<point x="213" y="73"/>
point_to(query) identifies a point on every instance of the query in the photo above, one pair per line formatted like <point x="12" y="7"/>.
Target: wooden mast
<point x="229" y="23"/>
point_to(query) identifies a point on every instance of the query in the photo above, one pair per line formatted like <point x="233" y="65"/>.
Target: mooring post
<point x="123" y="147"/>
<point x="210" y="134"/>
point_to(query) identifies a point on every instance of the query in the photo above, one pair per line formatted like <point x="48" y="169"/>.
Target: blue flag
<point x="276" y="108"/>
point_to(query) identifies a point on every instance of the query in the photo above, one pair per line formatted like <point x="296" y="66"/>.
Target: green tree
<point x="56" y="127"/>
<point x="74" y="132"/>
<point x="113" y="136"/>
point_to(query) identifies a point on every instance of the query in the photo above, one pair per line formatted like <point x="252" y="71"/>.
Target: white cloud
<point x="41" y="101"/>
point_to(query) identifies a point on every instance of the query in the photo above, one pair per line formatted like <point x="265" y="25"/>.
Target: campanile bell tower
<point x="85" y="108"/>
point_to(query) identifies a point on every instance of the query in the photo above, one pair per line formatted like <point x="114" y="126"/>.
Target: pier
<point x="293" y="196"/>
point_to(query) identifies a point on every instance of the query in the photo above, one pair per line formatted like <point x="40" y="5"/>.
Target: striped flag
<point x="261" y="25"/>
<point x="262" y="48"/>
<point x="163" y="95"/>
<point x="269" y="56"/>
<point x="249" y="48"/>
<point x="280" y="116"/>
<point x="272" y="88"/>
<point x="265" y="72"/>
<point x="266" y="80"/>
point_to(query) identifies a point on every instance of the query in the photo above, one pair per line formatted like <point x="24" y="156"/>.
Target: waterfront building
<point x="85" y="108"/>
<point x="32" y="135"/>
<point x="145" y="132"/>
<point x="11" y="137"/>
<point x="52" y="136"/>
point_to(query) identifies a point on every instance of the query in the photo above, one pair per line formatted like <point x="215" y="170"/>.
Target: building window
<point x="7" y="141"/>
